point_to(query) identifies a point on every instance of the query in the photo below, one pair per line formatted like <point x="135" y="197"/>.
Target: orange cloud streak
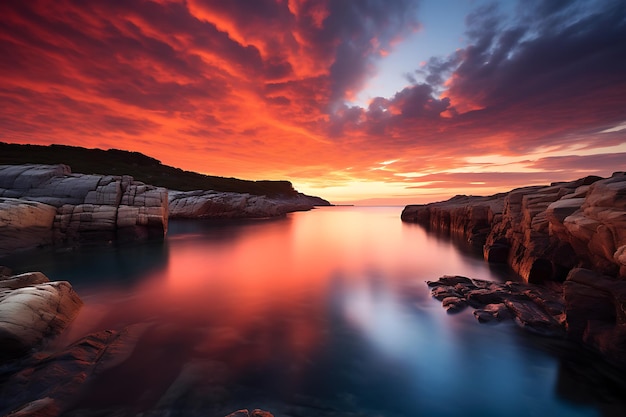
<point x="260" y="92"/>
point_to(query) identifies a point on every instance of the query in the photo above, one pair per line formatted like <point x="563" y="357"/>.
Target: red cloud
<point x="257" y="88"/>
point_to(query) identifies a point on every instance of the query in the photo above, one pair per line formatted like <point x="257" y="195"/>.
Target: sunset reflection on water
<point x="327" y="308"/>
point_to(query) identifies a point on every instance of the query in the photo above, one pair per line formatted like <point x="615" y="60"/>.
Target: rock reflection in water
<point x="323" y="313"/>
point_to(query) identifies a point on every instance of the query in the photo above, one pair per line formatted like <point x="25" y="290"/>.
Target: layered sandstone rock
<point x="254" y="413"/>
<point x="543" y="231"/>
<point x="47" y="204"/>
<point x="212" y="204"/>
<point x="596" y="312"/>
<point x="572" y="233"/>
<point x="25" y="224"/>
<point x="31" y="309"/>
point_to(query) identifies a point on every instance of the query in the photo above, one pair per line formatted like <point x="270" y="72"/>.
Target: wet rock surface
<point x="572" y="233"/>
<point x="49" y="384"/>
<point x="534" y="308"/>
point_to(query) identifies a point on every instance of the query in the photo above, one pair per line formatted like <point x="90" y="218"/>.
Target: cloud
<point x="260" y="89"/>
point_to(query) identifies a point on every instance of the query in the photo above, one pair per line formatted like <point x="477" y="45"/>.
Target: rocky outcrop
<point x="212" y="204"/>
<point x="31" y="309"/>
<point x="543" y="232"/>
<point x="538" y="309"/>
<point x="570" y="235"/>
<point x="47" y="204"/>
<point x="587" y="308"/>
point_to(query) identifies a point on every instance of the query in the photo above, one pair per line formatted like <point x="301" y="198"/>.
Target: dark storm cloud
<point x="552" y="76"/>
<point x="555" y="56"/>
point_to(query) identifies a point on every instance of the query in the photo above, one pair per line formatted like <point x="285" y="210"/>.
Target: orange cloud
<point x="259" y="89"/>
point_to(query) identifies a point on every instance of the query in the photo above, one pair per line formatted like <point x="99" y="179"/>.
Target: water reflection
<point x="317" y="314"/>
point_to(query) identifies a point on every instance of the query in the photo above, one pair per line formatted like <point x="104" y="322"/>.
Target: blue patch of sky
<point x="442" y="32"/>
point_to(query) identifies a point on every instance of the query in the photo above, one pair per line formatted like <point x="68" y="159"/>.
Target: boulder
<point x="31" y="313"/>
<point x="492" y="312"/>
<point x="13" y="282"/>
<point x="454" y="304"/>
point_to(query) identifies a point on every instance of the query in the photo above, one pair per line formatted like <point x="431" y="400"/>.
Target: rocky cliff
<point x="47" y="204"/>
<point x="572" y="234"/>
<point x="544" y="231"/>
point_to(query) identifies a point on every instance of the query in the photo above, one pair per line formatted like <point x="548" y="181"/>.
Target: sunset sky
<point x="373" y="101"/>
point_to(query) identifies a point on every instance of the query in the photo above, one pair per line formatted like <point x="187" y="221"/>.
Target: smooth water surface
<point x="321" y="313"/>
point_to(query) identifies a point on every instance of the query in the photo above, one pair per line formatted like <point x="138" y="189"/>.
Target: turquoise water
<point x="321" y="313"/>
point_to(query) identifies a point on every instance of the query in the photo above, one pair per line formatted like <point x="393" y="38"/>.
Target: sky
<point x="363" y="102"/>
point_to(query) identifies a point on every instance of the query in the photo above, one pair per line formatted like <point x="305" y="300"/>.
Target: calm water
<point x="323" y="313"/>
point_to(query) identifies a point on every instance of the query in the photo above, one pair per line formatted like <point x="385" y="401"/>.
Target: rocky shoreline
<point x="568" y="238"/>
<point x="48" y="205"/>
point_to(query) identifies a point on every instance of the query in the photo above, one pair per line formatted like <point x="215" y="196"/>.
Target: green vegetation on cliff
<point x="143" y="168"/>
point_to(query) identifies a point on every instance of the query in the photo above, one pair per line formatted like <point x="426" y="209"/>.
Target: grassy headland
<point x="143" y="168"/>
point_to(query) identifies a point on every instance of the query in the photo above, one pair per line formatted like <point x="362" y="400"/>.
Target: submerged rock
<point x="48" y="385"/>
<point x="503" y="301"/>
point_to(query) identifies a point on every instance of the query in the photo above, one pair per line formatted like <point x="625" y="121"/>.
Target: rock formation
<point x="572" y="233"/>
<point x="47" y="204"/>
<point x="538" y="309"/>
<point x="544" y="231"/>
<point x="31" y="309"/>
<point x="213" y="204"/>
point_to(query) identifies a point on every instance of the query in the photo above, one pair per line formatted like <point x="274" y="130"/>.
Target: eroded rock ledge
<point x="43" y="205"/>
<point x="542" y="232"/>
<point x="570" y="237"/>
